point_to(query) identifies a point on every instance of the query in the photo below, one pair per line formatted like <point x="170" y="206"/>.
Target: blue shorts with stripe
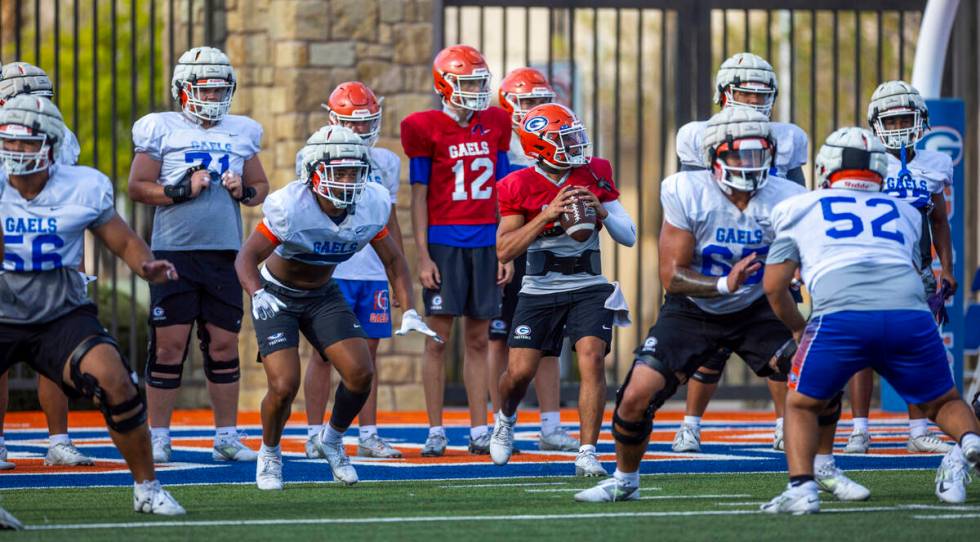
<point x="370" y="301"/>
<point x="903" y="346"/>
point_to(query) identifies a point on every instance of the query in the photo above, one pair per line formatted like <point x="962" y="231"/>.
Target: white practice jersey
<point x="857" y="250"/>
<point x="515" y="154"/>
<point x="306" y="234"/>
<point x="929" y="173"/>
<point x="43" y="243"/>
<point x="212" y="220"/>
<point x="693" y="201"/>
<point x="386" y="168"/>
<point x="68" y="154"/>
<point x="791" y="145"/>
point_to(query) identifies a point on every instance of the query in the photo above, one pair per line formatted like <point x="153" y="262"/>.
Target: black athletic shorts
<point x="322" y="315"/>
<point x="685" y="337"/>
<point x="46" y="347"/>
<point x="500" y="326"/>
<point x="207" y="290"/>
<point x="543" y="321"/>
<point x="469" y="283"/>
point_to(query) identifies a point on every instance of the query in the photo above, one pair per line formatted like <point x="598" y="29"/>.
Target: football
<point x="579" y="222"/>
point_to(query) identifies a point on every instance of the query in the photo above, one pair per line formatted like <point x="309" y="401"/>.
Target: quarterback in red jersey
<point x="456" y="155"/>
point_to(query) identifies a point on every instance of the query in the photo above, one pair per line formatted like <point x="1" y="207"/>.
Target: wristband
<point x="722" y="285"/>
<point x="179" y="192"/>
<point x="247" y="194"/>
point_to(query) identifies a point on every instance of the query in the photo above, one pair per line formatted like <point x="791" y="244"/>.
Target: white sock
<point x="270" y="450"/>
<point x="437" y="430"/>
<point x="631" y="479"/>
<point x="550" y="422"/>
<point x="969" y="439"/>
<point x="58" y="439"/>
<point x="313" y="430"/>
<point x="821" y="460"/>
<point x="779" y="422"/>
<point x="331" y="435"/>
<point x="957" y="453"/>
<point x="146" y="485"/>
<point x="860" y="425"/>
<point x="223" y="433"/>
<point x="3" y="442"/>
<point x="693" y="421"/>
<point x="509" y="419"/>
<point x="478" y="431"/>
<point x="365" y="432"/>
<point x="918" y="428"/>
<point x="160" y="432"/>
<point x="586" y="448"/>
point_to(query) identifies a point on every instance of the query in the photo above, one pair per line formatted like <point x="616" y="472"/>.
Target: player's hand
<point x="947" y="276"/>
<point x="742" y="270"/>
<point x="591" y="200"/>
<point x="200" y="180"/>
<point x="411" y="321"/>
<point x="265" y="305"/>
<point x="233" y="182"/>
<point x="429" y="274"/>
<point x="562" y="202"/>
<point x="158" y="271"/>
<point x="505" y="273"/>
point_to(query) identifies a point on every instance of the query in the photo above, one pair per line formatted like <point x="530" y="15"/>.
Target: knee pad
<point x="133" y="409"/>
<point x="718" y="360"/>
<point x="784" y="360"/>
<point x="779" y="377"/>
<point x="823" y="420"/>
<point x="706" y="378"/>
<point x="638" y="431"/>
<point x="173" y="372"/>
<point x="346" y="406"/>
<point x="217" y="372"/>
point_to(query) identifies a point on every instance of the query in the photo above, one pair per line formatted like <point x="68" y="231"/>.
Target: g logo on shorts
<point x="522" y="332"/>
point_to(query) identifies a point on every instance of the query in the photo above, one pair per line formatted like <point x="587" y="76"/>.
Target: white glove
<point x="411" y="321"/>
<point x="265" y="305"/>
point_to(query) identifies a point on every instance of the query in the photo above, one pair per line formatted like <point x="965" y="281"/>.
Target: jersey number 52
<point x="856" y="223"/>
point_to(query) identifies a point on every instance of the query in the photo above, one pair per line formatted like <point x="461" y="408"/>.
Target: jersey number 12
<point x="485" y="168"/>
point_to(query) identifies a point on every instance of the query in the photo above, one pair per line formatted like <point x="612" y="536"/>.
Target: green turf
<point x="452" y="498"/>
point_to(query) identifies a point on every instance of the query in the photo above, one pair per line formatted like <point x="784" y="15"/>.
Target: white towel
<point x="616" y="302"/>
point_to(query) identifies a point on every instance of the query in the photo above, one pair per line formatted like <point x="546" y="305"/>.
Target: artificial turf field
<point x="710" y="496"/>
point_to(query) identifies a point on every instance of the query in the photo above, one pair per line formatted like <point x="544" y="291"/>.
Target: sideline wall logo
<point x="944" y="139"/>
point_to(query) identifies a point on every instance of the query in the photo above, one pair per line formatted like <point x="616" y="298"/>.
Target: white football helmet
<point x="750" y="74"/>
<point x="337" y="163"/>
<point x="19" y="78"/>
<point x="204" y="83"/>
<point x="739" y="149"/>
<point x="852" y="158"/>
<point x="898" y="99"/>
<point x="31" y="132"/>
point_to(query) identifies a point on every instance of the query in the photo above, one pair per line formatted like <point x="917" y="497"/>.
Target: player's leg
<point x="54" y="404"/>
<point x="547" y="386"/>
<point x="4" y="402"/>
<point x="168" y="351"/>
<point x="497" y="354"/>
<point x="434" y="383"/>
<point x="920" y="439"/>
<point x="316" y="390"/>
<point x="591" y="401"/>
<point x="778" y="390"/>
<point x="700" y="388"/>
<point x="861" y="388"/>
<point x="352" y="358"/>
<point x="522" y="364"/>
<point x="282" y="371"/>
<point x="475" y="374"/>
<point x="802" y="440"/>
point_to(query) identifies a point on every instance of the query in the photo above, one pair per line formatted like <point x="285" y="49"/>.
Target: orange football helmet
<point x="522" y="89"/>
<point x="552" y="134"/>
<point x="462" y="78"/>
<point x="354" y="105"/>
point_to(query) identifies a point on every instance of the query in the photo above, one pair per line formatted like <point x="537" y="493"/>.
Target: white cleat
<point x="314" y="448"/>
<point x="66" y="455"/>
<point x="972" y="455"/>
<point x="161" y="449"/>
<point x="268" y="471"/>
<point x="952" y="477"/>
<point x="4" y="464"/>
<point x="687" y="439"/>
<point x="858" y="443"/>
<point x="502" y="441"/>
<point x="777" y="439"/>
<point x="8" y="522"/>
<point x="558" y="440"/>
<point x="340" y="465"/>
<point x="928" y="444"/>
<point x="233" y="449"/>
<point x="151" y="498"/>
<point x="435" y="446"/>
<point x="609" y="490"/>
<point x="375" y="446"/>
<point x="799" y="500"/>
<point x="587" y="464"/>
<point x="834" y="481"/>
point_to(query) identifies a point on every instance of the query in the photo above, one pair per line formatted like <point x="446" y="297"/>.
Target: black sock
<point x="346" y="405"/>
<point x="796" y="481"/>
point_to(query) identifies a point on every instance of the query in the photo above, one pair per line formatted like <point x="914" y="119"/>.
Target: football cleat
<point x="799" y="500"/>
<point x="609" y="490"/>
<point x="435" y="445"/>
<point x="502" y="440"/>
<point x="150" y="498"/>
<point x="66" y="454"/>
<point x="687" y="439"/>
<point x="952" y="478"/>
<point x="232" y="449"/>
<point x="268" y="471"/>
<point x="480" y="445"/>
<point x="340" y="465"/>
<point x="314" y="448"/>
<point x="928" y="443"/>
<point x="375" y="446"/>
<point x="833" y="480"/>
<point x="8" y="522"/>
<point x="4" y="464"/>
<point x="858" y="443"/>
<point x="777" y="439"/>
<point x="972" y="456"/>
<point x="558" y="440"/>
<point x="161" y="449"/>
<point x="587" y="464"/>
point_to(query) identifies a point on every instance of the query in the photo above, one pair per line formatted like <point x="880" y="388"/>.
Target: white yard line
<point x="571" y="490"/>
<point x="666" y="497"/>
<point x="527" y="484"/>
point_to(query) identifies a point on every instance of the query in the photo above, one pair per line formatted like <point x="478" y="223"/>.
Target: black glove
<point x="784" y="356"/>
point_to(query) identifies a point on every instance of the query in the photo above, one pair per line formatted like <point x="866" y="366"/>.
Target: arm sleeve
<point x="619" y="223"/>
<point x="146" y="137"/>
<point x="503" y="165"/>
<point x="419" y="170"/>
<point x="673" y="207"/>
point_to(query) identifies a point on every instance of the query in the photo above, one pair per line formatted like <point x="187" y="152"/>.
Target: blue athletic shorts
<point x="903" y="346"/>
<point x="370" y="302"/>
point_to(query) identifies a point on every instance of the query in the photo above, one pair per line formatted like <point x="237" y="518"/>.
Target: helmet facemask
<point x="902" y="137"/>
<point x="743" y="164"/>
<point x="340" y="181"/>
<point x="362" y="122"/>
<point x="207" y="99"/>
<point x="572" y="147"/>
<point x="763" y="96"/>
<point x="18" y="159"/>
<point x="476" y="96"/>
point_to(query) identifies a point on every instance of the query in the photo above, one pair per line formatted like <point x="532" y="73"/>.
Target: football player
<point x="46" y="317"/>
<point x="715" y="234"/>
<point x="520" y="91"/>
<point x="457" y="154"/>
<point x="19" y="78"/>
<point x="197" y="166"/>
<point x="310" y="226"/>
<point x="898" y="116"/>
<point x="858" y="251"/>
<point x="564" y="293"/>
<point x="362" y="278"/>
<point x="744" y="80"/>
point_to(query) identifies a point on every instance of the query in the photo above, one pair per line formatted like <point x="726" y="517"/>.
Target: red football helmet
<point x="462" y="78"/>
<point x="552" y="134"/>
<point x="354" y="105"/>
<point x="523" y="89"/>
